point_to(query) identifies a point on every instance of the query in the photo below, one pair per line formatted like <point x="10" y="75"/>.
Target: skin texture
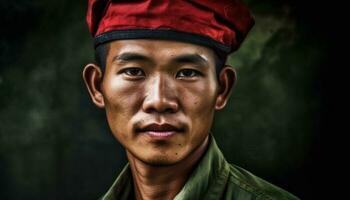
<point x="153" y="87"/>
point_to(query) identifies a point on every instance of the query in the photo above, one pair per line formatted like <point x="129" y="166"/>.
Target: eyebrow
<point x="185" y="58"/>
<point x="131" y="57"/>
<point x="191" y="58"/>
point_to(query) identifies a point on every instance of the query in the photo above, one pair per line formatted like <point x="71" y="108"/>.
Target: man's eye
<point x="133" y="72"/>
<point x="188" y="73"/>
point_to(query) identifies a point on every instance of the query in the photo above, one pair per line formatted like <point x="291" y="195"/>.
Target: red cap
<point x="219" y="24"/>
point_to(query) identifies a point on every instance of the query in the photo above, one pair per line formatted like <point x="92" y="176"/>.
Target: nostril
<point x="159" y="105"/>
<point x="161" y="108"/>
<point x="170" y="110"/>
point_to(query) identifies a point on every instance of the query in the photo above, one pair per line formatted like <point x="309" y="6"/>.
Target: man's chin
<point x="157" y="156"/>
<point x="160" y="161"/>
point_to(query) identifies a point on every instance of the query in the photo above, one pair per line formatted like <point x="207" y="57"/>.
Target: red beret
<point x="219" y="24"/>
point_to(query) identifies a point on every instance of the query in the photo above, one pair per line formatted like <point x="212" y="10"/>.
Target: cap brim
<point x="165" y="34"/>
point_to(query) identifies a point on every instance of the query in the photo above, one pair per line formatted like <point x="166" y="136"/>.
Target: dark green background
<point x="55" y="144"/>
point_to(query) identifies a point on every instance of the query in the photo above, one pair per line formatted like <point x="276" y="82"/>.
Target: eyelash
<point x="126" y="71"/>
<point x="195" y="73"/>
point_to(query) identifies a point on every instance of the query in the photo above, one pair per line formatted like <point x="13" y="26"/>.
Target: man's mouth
<point x="159" y="130"/>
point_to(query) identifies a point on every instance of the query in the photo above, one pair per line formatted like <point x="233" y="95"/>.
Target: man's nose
<point x="160" y="96"/>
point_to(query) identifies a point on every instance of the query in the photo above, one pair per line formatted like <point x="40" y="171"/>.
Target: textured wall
<point x="54" y="144"/>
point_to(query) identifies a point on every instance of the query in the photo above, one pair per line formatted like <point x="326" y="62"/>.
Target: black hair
<point x="220" y="61"/>
<point x="101" y="52"/>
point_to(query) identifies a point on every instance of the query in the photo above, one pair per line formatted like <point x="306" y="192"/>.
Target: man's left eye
<point x="188" y="73"/>
<point x="133" y="72"/>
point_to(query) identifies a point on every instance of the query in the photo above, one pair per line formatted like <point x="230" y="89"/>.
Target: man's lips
<point x="159" y="130"/>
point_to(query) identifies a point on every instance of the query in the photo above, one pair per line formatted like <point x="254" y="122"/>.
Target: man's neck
<point x="163" y="182"/>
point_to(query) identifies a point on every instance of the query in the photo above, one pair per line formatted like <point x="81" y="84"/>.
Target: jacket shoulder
<point x="242" y="183"/>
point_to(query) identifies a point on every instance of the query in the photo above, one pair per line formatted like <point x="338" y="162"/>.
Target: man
<point x="160" y="76"/>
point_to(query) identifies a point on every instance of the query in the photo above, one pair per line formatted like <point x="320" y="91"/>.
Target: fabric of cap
<point x="221" y="24"/>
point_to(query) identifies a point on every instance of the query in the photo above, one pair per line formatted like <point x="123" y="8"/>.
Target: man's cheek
<point x="118" y="126"/>
<point x="203" y="103"/>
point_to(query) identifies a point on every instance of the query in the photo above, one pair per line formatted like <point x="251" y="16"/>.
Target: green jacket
<point x="213" y="179"/>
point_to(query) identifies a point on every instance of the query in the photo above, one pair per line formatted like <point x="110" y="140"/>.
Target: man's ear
<point x="227" y="80"/>
<point x="92" y="76"/>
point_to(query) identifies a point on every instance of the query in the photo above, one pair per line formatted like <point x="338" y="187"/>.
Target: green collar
<point x="207" y="181"/>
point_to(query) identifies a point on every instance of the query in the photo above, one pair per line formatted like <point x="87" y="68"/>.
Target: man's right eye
<point x="133" y="72"/>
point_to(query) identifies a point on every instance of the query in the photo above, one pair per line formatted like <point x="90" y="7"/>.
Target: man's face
<point x="160" y="97"/>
